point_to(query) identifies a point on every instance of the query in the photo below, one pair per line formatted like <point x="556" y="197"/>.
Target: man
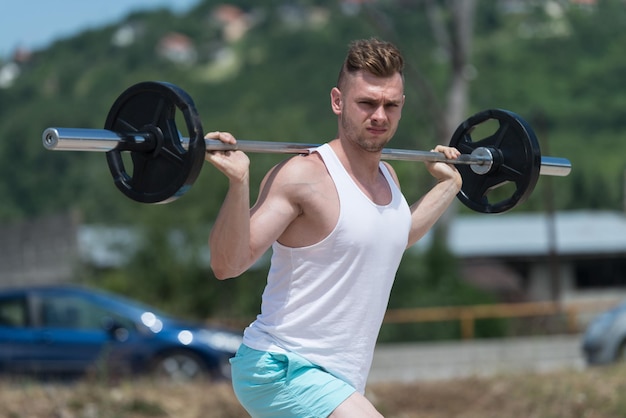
<point x="338" y="226"/>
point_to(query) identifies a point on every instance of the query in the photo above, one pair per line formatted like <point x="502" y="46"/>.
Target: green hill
<point x="269" y="77"/>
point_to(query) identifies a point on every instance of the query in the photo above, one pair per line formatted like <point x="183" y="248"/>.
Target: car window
<point x="76" y="313"/>
<point x="13" y="312"/>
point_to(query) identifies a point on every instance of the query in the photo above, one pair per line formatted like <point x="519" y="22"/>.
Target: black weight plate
<point x="520" y="161"/>
<point x="164" y="171"/>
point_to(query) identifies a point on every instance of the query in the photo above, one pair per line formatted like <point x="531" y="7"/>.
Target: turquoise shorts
<point x="277" y="385"/>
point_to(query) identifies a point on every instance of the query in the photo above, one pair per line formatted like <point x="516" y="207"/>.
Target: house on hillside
<point x="233" y="21"/>
<point x="178" y="48"/>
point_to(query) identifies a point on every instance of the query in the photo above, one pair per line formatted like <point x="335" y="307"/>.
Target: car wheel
<point x="179" y="366"/>
<point x="620" y="355"/>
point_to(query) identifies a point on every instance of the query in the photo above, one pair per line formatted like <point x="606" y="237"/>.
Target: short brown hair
<point x="377" y="57"/>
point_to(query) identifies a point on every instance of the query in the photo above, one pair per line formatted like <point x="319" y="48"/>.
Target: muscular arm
<point x="427" y="210"/>
<point x="229" y="239"/>
<point x="241" y="235"/>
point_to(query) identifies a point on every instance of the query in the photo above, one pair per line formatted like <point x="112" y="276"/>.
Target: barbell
<point x="164" y="164"/>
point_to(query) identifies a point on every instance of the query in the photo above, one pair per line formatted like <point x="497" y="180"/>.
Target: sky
<point x="34" y="24"/>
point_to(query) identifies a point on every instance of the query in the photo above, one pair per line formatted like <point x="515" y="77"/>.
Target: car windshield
<point x="88" y="310"/>
<point x="133" y="307"/>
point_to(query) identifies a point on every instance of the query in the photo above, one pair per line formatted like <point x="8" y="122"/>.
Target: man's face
<point x="369" y="109"/>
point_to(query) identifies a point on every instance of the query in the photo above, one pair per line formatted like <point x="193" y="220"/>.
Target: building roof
<point x="534" y="234"/>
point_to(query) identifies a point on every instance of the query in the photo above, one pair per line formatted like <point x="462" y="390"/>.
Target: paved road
<point x="438" y="361"/>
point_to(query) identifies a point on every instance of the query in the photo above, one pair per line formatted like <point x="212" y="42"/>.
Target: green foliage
<point x="566" y="84"/>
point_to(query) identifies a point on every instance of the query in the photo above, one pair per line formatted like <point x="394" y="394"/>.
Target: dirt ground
<point x="595" y="393"/>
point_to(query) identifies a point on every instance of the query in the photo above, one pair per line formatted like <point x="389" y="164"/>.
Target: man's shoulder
<point x="302" y="167"/>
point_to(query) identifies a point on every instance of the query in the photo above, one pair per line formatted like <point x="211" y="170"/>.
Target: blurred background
<point x="263" y="71"/>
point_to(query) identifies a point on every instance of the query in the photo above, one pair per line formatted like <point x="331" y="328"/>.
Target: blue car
<point x="73" y="331"/>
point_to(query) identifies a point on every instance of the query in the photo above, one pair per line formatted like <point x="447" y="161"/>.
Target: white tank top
<point x="326" y="301"/>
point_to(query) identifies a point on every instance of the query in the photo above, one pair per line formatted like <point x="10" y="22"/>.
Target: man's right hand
<point x="234" y="164"/>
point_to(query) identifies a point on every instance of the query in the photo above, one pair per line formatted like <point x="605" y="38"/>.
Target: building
<point x="532" y="256"/>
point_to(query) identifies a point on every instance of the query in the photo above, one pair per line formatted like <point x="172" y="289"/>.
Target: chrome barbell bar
<point x="102" y="140"/>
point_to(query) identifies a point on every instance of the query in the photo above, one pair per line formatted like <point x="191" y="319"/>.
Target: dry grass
<point x="595" y="393"/>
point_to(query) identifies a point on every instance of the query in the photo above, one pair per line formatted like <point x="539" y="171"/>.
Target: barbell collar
<point x="482" y="160"/>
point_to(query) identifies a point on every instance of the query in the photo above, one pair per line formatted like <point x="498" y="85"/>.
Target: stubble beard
<point x="369" y="145"/>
